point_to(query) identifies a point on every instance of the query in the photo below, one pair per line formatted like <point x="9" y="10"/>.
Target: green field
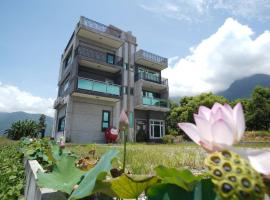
<point x="143" y="158"/>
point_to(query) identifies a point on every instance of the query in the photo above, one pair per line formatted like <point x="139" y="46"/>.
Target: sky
<point x="209" y="43"/>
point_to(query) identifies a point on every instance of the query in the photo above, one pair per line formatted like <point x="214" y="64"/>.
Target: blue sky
<point x="34" y="34"/>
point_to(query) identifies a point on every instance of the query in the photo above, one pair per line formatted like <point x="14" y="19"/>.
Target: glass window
<point x="132" y="91"/>
<point x="110" y="58"/>
<point x="105" y="120"/>
<point x="61" y="124"/>
<point x="131" y="120"/>
<point x="124" y="90"/>
<point x="66" y="85"/>
<point x="68" y="59"/>
<point x="126" y="66"/>
<point x="156" y="129"/>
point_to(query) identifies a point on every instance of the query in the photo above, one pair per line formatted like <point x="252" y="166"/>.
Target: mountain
<point x="243" y="88"/>
<point x="6" y="119"/>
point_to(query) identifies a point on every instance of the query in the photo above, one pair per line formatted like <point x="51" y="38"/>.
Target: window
<point x="150" y="94"/>
<point x="131" y="120"/>
<point x="110" y="58"/>
<point x="61" y="124"/>
<point x="124" y="90"/>
<point x="149" y="75"/>
<point x="131" y="91"/>
<point x="105" y="122"/>
<point x="126" y="66"/>
<point x="156" y="129"/>
<point x="66" y="86"/>
<point x="68" y="59"/>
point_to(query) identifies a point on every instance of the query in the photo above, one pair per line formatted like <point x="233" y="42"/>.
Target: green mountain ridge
<point x="244" y="87"/>
<point x="6" y="119"/>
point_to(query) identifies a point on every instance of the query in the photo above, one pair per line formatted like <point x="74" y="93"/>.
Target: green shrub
<point x="168" y="139"/>
<point x="12" y="171"/>
<point x="21" y="129"/>
<point x="173" y="132"/>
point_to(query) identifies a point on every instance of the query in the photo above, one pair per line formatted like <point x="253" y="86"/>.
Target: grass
<point x="143" y="158"/>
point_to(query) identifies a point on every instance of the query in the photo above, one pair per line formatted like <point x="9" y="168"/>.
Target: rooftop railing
<point x="152" y="57"/>
<point x="98" y="86"/>
<point x="98" y="55"/>
<point x="88" y="23"/>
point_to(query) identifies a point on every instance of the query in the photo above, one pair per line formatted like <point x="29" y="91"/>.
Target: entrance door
<point x="141" y="130"/>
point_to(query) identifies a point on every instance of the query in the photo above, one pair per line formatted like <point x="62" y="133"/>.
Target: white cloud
<point x="225" y="56"/>
<point x="13" y="99"/>
<point x="199" y="10"/>
<point x="250" y="9"/>
<point x="180" y="10"/>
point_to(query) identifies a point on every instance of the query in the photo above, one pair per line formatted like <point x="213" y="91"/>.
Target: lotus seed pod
<point x="233" y="177"/>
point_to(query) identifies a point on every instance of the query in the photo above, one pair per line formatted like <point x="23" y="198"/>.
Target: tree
<point x="188" y="106"/>
<point x="42" y="125"/>
<point x="21" y="129"/>
<point x="258" y="117"/>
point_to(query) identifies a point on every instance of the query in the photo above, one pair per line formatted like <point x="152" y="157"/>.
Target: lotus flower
<point x="123" y="122"/>
<point x="62" y="143"/>
<point x="221" y="127"/>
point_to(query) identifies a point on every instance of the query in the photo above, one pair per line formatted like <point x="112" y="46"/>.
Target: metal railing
<point x="155" y="102"/>
<point x="98" y="86"/>
<point x="152" y="78"/>
<point x="91" y="24"/>
<point x="152" y="57"/>
<point x="98" y="55"/>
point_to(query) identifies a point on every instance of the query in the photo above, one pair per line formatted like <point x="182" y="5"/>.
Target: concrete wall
<point x="32" y="191"/>
<point x="86" y="118"/>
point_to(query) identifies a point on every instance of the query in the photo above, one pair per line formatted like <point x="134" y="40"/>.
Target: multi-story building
<point x="101" y="73"/>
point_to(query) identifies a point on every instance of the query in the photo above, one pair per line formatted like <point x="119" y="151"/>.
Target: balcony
<point x="94" y="88"/>
<point x="148" y="103"/>
<point x="151" y="60"/>
<point x="151" y="78"/>
<point x="151" y="82"/>
<point x="98" y="60"/>
<point x="100" y="33"/>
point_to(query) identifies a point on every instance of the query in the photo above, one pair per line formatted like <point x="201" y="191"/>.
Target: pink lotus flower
<point x="221" y="127"/>
<point x="123" y="121"/>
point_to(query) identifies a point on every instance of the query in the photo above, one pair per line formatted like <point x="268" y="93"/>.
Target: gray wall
<point x="86" y="119"/>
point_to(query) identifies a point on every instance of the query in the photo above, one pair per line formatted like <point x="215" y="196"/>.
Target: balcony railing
<point x="152" y="78"/>
<point x="155" y="102"/>
<point x="91" y="24"/>
<point x="98" y="86"/>
<point x="152" y="57"/>
<point x="98" y="55"/>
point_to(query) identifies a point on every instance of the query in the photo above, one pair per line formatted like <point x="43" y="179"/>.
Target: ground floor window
<point x="156" y="129"/>
<point x="61" y="124"/>
<point x="105" y="122"/>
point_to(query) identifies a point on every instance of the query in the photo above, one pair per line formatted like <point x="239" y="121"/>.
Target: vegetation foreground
<point x="141" y="159"/>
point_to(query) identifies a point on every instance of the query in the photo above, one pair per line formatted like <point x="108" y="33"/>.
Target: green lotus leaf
<point x="204" y="190"/>
<point x="63" y="177"/>
<point x="99" y="172"/>
<point x="182" y="178"/>
<point x="166" y="191"/>
<point x="130" y="187"/>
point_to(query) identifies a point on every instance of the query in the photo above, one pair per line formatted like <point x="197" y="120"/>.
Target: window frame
<point x="68" y="58"/>
<point x="102" y="119"/>
<point x="161" y="128"/>
<point x="60" y="120"/>
<point x="107" y="58"/>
